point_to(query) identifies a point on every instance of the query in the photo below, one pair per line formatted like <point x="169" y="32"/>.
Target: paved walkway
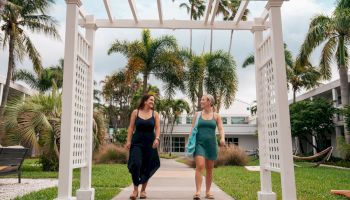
<point x="173" y="181"/>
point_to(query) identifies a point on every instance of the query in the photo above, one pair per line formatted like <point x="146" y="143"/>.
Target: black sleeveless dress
<point x="143" y="159"/>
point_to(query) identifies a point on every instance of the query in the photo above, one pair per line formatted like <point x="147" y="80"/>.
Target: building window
<point x="231" y="141"/>
<point x="188" y="120"/>
<point x="179" y="120"/>
<point x="178" y="144"/>
<point x="238" y="120"/>
<point x="224" y="120"/>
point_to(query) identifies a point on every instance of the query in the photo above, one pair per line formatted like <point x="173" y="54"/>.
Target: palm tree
<point x="17" y="17"/>
<point x="158" y="56"/>
<point x="298" y="76"/>
<point x="334" y="32"/>
<point x="177" y="106"/>
<point x="196" y="9"/>
<point x="215" y="73"/>
<point x="36" y="123"/>
<point x="47" y="79"/>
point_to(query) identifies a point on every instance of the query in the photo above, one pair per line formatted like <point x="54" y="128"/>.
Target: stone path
<point x="173" y="181"/>
<point x="10" y="188"/>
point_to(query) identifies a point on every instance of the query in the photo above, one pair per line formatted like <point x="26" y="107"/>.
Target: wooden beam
<point x="209" y="7"/>
<point x="213" y="15"/>
<point x="108" y="10"/>
<point x="133" y="10"/>
<point x="173" y="24"/>
<point x="160" y="12"/>
<point x="242" y="7"/>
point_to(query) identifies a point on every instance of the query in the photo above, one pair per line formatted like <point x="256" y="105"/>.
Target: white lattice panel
<point x="80" y="103"/>
<point x="268" y="96"/>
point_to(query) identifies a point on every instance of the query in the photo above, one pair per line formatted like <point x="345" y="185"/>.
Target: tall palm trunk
<point x="10" y="69"/>
<point x="211" y="40"/>
<point x="229" y="48"/>
<point x="296" y="139"/>
<point x="192" y="7"/>
<point x="344" y="91"/>
<point x="145" y="79"/>
<point x="199" y="95"/>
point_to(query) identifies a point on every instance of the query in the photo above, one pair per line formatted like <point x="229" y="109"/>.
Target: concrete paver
<point x="173" y="181"/>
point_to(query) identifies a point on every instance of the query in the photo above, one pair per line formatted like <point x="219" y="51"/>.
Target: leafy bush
<point x="343" y="148"/>
<point x="120" y="135"/>
<point x="111" y="153"/>
<point x="232" y="155"/>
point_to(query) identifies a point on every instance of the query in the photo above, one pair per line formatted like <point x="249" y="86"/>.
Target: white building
<point x="17" y="90"/>
<point x="330" y="91"/>
<point x="240" y="130"/>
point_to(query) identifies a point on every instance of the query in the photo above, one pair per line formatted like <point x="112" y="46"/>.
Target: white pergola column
<point x="265" y="192"/>
<point x="282" y="106"/>
<point x="86" y="192"/>
<point x="1" y="91"/>
<point x="66" y="148"/>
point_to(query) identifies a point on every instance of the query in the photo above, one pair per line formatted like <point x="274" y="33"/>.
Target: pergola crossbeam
<point x="133" y="10"/>
<point x="214" y="12"/>
<point x="160" y="12"/>
<point x="265" y="15"/>
<point x="173" y="24"/>
<point x="242" y="7"/>
<point x="209" y="9"/>
<point x="108" y="10"/>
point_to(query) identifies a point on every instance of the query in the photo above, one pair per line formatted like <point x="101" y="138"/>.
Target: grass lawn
<point x="312" y="183"/>
<point x="107" y="179"/>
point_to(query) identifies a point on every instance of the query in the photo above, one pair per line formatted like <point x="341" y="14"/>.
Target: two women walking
<point x="143" y="140"/>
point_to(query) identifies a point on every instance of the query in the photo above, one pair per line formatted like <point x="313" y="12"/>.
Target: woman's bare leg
<point x="209" y="165"/>
<point x="200" y="164"/>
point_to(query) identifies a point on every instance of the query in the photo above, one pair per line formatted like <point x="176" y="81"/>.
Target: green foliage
<point x="36" y="123"/>
<point x="312" y="118"/>
<point x="343" y="148"/>
<point x="120" y="135"/>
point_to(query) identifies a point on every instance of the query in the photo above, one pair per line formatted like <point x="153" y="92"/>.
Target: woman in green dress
<point x="206" y="150"/>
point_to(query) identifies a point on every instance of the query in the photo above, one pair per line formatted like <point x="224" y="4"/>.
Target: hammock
<point x="325" y="154"/>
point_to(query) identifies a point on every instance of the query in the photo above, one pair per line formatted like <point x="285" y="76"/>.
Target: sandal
<point x="196" y="197"/>
<point x="133" y="196"/>
<point x="143" y="195"/>
<point x="209" y="196"/>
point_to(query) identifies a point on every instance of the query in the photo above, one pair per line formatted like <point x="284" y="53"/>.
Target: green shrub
<point x="111" y="153"/>
<point x="120" y="135"/>
<point x="232" y="155"/>
<point x="343" y="148"/>
<point x="49" y="162"/>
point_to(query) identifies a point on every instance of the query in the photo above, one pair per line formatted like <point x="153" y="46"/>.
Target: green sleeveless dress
<point x="206" y="144"/>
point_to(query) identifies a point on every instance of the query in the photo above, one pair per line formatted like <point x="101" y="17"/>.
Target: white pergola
<point x="275" y="143"/>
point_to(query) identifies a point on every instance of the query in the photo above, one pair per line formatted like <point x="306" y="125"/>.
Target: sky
<point x="296" y="16"/>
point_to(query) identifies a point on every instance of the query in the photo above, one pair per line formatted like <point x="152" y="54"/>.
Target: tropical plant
<point x="19" y="16"/>
<point x="213" y="72"/>
<point x="119" y="93"/>
<point x="312" y="119"/>
<point x="36" y="123"/>
<point x="333" y="32"/>
<point x="196" y="10"/>
<point x="298" y="76"/>
<point x="45" y="80"/>
<point x="158" y="56"/>
<point x="228" y="8"/>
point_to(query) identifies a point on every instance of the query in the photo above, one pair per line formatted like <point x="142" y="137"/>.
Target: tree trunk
<point x="294" y="95"/>
<point x="10" y="70"/>
<point x="145" y="84"/>
<point x="296" y="139"/>
<point x="199" y="95"/>
<point x="344" y="92"/>
<point x="229" y="48"/>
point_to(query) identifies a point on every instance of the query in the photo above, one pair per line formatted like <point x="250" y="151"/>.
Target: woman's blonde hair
<point x="211" y="99"/>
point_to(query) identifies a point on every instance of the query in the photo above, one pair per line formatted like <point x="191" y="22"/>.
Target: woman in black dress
<point x="142" y="142"/>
